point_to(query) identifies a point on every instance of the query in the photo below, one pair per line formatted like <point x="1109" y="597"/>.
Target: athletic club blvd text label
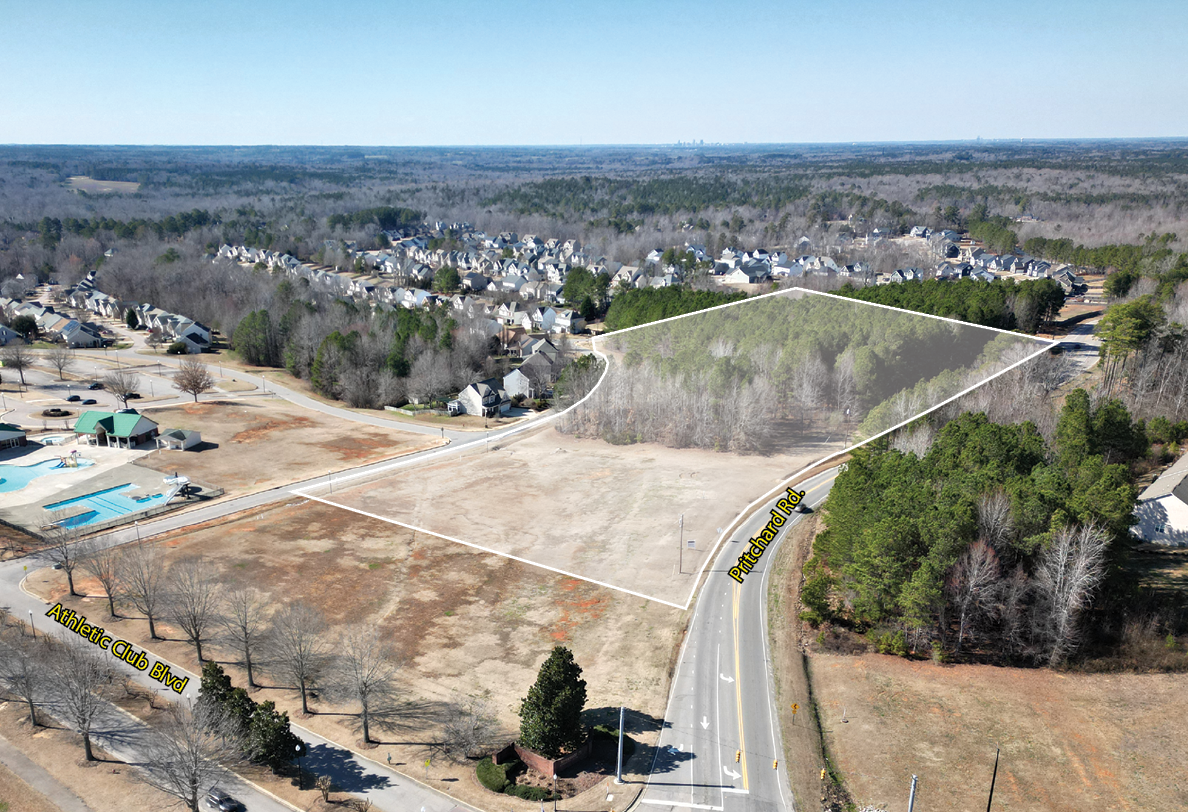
<point x="747" y="561"/>
<point x="120" y="648"/>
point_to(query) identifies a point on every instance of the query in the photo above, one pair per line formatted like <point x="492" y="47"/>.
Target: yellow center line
<point x="742" y="741"/>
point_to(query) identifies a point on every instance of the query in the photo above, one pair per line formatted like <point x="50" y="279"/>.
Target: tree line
<point x="1005" y="304"/>
<point x="630" y="308"/>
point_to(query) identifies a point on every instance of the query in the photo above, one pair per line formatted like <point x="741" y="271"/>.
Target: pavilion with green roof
<point x="125" y="429"/>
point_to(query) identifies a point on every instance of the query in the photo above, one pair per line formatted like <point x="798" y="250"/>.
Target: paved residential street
<point x="721" y="704"/>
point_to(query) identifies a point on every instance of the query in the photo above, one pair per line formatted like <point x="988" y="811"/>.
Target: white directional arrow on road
<point x="728" y="679"/>
<point x="731" y="772"/>
<point x="704" y="723"/>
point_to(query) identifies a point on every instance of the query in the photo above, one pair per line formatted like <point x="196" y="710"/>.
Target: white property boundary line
<point x="713" y="552"/>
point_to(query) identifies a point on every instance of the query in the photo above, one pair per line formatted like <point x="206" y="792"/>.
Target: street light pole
<point x="681" y="546"/>
<point x="619" y="767"/>
<point x="300" y="774"/>
<point x="31" y="626"/>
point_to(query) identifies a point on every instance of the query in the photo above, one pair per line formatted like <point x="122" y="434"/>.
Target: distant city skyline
<point x="527" y="73"/>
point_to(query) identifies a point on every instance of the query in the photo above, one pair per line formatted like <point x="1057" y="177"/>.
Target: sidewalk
<point x="36" y="776"/>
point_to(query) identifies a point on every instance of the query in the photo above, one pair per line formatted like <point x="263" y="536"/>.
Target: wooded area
<point x="988" y="540"/>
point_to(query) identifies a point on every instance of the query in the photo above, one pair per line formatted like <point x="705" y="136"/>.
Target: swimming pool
<point x="15" y="477"/>
<point x="101" y="506"/>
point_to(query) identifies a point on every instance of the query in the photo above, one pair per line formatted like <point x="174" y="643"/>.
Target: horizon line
<point x="692" y="144"/>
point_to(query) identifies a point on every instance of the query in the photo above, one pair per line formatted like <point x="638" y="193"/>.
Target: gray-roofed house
<point x="1162" y="509"/>
<point x="178" y="439"/>
<point x="486" y="398"/>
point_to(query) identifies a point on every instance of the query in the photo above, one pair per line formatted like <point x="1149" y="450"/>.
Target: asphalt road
<point x="1081" y="346"/>
<point x="721" y="706"/>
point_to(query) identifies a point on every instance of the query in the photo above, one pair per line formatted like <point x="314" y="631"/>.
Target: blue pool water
<point x="103" y="505"/>
<point x="15" y="477"/>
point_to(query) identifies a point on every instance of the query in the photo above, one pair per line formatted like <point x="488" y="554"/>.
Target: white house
<point x="486" y="398"/>
<point x="1162" y="509"/>
<point x="178" y="439"/>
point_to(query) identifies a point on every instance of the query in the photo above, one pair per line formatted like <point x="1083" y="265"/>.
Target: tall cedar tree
<point x="551" y="715"/>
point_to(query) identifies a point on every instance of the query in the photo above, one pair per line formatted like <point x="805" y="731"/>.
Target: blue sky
<point x="569" y="72"/>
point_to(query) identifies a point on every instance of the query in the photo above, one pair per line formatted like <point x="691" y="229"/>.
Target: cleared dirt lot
<point x="1069" y="741"/>
<point x="605" y="512"/>
<point x="84" y="183"/>
<point x="268" y="442"/>
<point x="462" y="621"/>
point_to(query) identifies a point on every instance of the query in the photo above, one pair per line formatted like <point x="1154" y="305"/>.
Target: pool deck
<point x="112" y="467"/>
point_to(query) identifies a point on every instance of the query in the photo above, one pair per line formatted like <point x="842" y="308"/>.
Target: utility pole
<point x="681" y="546"/>
<point x="912" y="796"/>
<point x="619" y="768"/>
<point x="993" y="778"/>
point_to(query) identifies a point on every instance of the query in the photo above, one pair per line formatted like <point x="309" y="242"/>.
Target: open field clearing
<point x="1069" y="741"/>
<point x="462" y="622"/>
<point x="269" y="442"/>
<point x="604" y="512"/>
<point x="91" y="186"/>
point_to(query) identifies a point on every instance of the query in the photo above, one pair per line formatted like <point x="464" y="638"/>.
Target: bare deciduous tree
<point x="1068" y="571"/>
<point x="365" y="674"/>
<point x="23" y="672"/>
<point x="299" y="647"/>
<point x="194" y="378"/>
<point x="123" y="383"/>
<point x="80" y="683"/>
<point x="104" y="564"/>
<point x="63" y="550"/>
<point x="914" y="439"/>
<point x="971" y="585"/>
<point x="995" y="523"/>
<point x="193" y="600"/>
<point x="469" y="726"/>
<point x="61" y="358"/>
<point x="244" y="621"/>
<point x="17" y="356"/>
<point x="189" y="751"/>
<point x="142" y="572"/>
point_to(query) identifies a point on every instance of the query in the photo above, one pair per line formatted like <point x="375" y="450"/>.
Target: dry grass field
<point x="1070" y="742"/>
<point x="461" y="621"/>
<point x="269" y="442"/>
<point x="604" y="512"/>
<point x="91" y="186"/>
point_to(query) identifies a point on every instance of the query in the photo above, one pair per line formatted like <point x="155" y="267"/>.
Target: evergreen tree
<point x="270" y="741"/>
<point x="551" y="715"/>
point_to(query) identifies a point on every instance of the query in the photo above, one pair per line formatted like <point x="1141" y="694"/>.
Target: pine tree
<point x="551" y="715"/>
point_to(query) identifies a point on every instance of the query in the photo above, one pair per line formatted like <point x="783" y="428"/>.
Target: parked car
<point x="89" y="402"/>
<point x="134" y="396"/>
<point x="95" y="385"/>
<point x="74" y="399"/>
<point x="217" y="799"/>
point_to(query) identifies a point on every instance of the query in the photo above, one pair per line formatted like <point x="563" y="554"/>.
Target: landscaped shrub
<point x="494" y="776"/>
<point x="176" y="348"/>
<point x="529" y="793"/>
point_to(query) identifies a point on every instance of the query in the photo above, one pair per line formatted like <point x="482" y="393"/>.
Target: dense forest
<point x="989" y="539"/>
